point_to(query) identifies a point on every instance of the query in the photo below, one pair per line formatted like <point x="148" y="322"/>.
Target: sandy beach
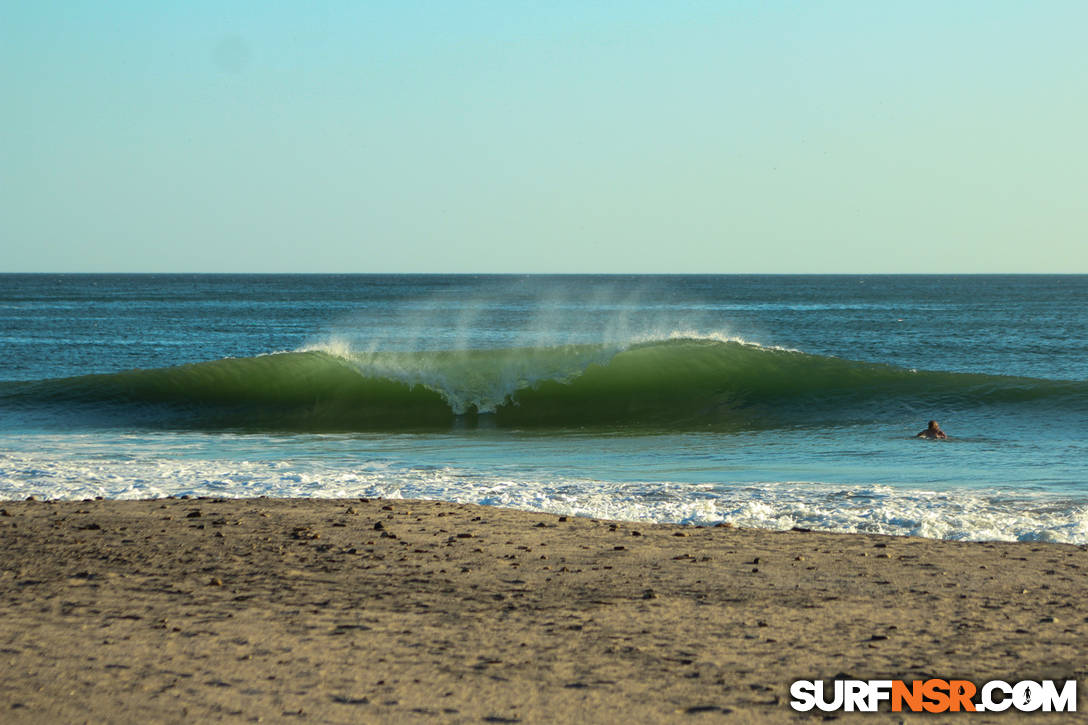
<point x="352" y="611"/>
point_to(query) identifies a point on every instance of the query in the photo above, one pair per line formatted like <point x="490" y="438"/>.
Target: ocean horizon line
<point x="826" y="275"/>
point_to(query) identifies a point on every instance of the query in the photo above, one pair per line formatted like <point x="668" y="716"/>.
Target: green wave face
<point x="665" y="384"/>
<point x="299" y="391"/>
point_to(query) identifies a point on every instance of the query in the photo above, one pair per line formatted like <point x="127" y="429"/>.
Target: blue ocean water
<point x="770" y="401"/>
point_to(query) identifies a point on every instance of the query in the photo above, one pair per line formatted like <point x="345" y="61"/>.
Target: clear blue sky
<point x="505" y="136"/>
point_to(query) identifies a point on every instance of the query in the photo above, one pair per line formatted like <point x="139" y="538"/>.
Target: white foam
<point x="969" y="515"/>
<point x="698" y="335"/>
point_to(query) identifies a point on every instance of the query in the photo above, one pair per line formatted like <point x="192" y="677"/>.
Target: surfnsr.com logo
<point x="934" y="696"/>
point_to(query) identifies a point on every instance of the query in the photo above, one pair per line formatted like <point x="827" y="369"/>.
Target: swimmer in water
<point x="933" y="432"/>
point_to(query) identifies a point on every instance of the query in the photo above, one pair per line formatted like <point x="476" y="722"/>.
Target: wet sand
<point x="266" y="610"/>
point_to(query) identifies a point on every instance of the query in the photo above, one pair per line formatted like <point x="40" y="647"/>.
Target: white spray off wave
<point x="438" y="342"/>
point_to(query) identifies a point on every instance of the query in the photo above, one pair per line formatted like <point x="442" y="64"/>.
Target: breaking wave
<point x="671" y="383"/>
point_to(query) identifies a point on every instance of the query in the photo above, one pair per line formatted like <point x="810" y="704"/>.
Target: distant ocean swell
<point x="678" y="383"/>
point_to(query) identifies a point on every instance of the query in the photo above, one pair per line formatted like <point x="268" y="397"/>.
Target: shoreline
<point x="322" y="610"/>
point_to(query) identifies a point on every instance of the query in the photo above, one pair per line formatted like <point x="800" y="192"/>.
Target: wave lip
<point x="682" y="382"/>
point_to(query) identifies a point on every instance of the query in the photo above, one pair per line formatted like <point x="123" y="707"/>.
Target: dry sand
<point x="415" y="611"/>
